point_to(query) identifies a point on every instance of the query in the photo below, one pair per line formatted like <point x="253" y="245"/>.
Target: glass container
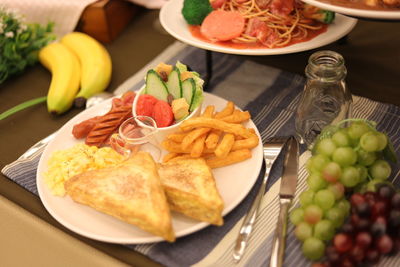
<point x="325" y="99"/>
<point x="136" y="134"/>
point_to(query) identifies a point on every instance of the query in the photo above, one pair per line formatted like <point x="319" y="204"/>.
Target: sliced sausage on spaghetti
<point x="221" y="25"/>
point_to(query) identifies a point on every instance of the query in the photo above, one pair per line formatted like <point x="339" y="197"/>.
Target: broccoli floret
<point x="194" y="11"/>
<point x="324" y="16"/>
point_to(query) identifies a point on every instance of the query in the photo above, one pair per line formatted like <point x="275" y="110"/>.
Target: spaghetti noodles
<point x="273" y="23"/>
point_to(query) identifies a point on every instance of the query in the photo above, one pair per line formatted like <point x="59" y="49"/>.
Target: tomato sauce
<point x="195" y="31"/>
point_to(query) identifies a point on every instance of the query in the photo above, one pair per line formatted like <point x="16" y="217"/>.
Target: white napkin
<point x="65" y="14"/>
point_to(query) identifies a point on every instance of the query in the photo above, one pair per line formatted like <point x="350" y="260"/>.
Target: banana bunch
<point x="80" y="67"/>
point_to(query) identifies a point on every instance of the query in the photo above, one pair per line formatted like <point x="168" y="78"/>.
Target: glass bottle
<point x="325" y="98"/>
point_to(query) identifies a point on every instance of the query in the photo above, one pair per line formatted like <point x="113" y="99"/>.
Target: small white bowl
<point x="163" y="132"/>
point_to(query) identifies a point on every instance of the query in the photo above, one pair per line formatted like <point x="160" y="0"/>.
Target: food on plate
<point x="221" y="125"/>
<point x="190" y="189"/>
<point x="194" y="11"/>
<point x="170" y="95"/>
<point x="346" y="160"/>
<point x="383" y="5"/>
<point x="130" y="191"/>
<point x="98" y="130"/>
<point x="221" y="25"/>
<point x="219" y="138"/>
<point x="64" y="164"/>
<point x="66" y="74"/>
<point x="180" y="108"/>
<point x="261" y="24"/>
<point x="95" y="61"/>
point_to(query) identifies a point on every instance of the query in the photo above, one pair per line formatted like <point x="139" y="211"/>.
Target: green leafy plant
<point x="20" y="43"/>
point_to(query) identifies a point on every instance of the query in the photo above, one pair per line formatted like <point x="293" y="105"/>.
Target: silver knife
<point x="286" y="194"/>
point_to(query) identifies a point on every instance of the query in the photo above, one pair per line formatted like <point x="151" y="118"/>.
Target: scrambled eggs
<point x="67" y="163"/>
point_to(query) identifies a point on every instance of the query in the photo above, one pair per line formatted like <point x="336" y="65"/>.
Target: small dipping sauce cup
<point x="136" y="134"/>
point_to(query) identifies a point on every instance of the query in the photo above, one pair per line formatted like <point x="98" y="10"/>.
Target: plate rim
<point x="140" y="240"/>
<point x="295" y="48"/>
<point x="356" y="12"/>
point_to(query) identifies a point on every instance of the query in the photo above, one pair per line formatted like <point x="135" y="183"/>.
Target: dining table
<point x="31" y="236"/>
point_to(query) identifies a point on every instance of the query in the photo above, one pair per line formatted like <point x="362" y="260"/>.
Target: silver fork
<point x="271" y="150"/>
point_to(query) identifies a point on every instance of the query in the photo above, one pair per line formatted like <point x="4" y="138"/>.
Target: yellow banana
<point x="95" y="62"/>
<point x="66" y="72"/>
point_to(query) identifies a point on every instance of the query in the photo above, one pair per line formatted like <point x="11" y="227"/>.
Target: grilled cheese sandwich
<point x="191" y="189"/>
<point x="130" y="191"/>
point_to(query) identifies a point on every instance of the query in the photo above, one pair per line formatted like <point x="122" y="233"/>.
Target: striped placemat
<point x="271" y="96"/>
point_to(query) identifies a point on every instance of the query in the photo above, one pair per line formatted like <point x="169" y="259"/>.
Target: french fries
<point x="231" y="158"/>
<point x="218" y="137"/>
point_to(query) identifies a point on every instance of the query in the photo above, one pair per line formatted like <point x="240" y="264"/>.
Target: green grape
<point x="363" y="171"/>
<point x="337" y="189"/>
<point x="317" y="163"/>
<point x="341" y="139"/>
<point x="371" y="185"/>
<point x="309" y="164"/>
<point x="306" y="198"/>
<point x="303" y="231"/>
<point x="383" y="140"/>
<point x="365" y="158"/>
<point x="313" y="248"/>
<point x="324" y="199"/>
<point x="296" y="216"/>
<point x="350" y="176"/>
<point x="324" y="230"/>
<point x="316" y="182"/>
<point x="369" y="141"/>
<point x="331" y="172"/>
<point x="380" y="169"/>
<point x="336" y="216"/>
<point x="344" y="156"/>
<point x="326" y="147"/>
<point x="344" y="206"/>
<point x="357" y="129"/>
<point x="312" y="214"/>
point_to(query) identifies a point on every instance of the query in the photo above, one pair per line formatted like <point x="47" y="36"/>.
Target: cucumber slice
<point x="155" y="86"/>
<point x="174" y="83"/>
<point x="197" y="99"/>
<point x="188" y="89"/>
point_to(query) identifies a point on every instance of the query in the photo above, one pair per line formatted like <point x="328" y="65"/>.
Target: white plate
<point x="356" y="12"/>
<point x="234" y="183"/>
<point x="174" y="23"/>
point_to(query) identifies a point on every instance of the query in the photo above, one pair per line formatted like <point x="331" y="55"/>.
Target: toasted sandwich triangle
<point x="191" y="189"/>
<point x="130" y="191"/>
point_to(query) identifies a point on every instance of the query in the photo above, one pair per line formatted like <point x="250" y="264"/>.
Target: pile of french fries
<point x="218" y="137"/>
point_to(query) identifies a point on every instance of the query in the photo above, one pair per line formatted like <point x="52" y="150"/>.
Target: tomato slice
<point x="162" y="114"/>
<point x="145" y="105"/>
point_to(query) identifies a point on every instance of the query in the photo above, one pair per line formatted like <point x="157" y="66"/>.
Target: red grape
<point x="332" y="255"/>
<point x="378" y="227"/>
<point x="342" y="242"/>
<point x="379" y="209"/>
<point x="371" y="197"/>
<point x="348" y="228"/>
<point x="395" y="202"/>
<point x="363" y="209"/>
<point x="385" y="191"/>
<point x="384" y="244"/>
<point x="394" y="219"/>
<point x="356" y="199"/>
<point x="372" y="256"/>
<point x="357" y="254"/>
<point x="363" y="239"/>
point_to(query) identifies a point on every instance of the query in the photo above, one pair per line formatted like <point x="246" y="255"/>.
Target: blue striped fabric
<point x="273" y="113"/>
